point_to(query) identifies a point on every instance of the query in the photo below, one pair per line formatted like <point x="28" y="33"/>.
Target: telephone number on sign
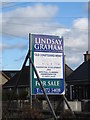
<point x="48" y="90"/>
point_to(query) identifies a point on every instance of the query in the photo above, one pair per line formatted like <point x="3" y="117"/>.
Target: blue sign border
<point x="33" y="90"/>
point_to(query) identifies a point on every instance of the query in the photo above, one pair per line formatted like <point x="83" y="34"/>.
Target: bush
<point x="32" y="114"/>
<point x="66" y="115"/>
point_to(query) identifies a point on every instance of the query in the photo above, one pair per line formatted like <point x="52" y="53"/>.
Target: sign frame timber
<point x="47" y="53"/>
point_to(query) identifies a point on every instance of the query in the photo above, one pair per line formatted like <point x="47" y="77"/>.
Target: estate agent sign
<point x="47" y="53"/>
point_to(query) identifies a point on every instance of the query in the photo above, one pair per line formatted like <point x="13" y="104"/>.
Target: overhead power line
<point x="16" y="36"/>
<point x="44" y="26"/>
<point x="10" y="5"/>
<point x="13" y="35"/>
<point x="46" y="17"/>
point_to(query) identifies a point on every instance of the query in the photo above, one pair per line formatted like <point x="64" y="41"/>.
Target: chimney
<point x="86" y="56"/>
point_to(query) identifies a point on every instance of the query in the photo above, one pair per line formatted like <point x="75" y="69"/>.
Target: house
<point x="6" y="75"/>
<point x="24" y="81"/>
<point x="24" y="84"/>
<point x="78" y="83"/>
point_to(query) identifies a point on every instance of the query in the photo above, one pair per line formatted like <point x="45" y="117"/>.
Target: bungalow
<point x="78" y="83"/>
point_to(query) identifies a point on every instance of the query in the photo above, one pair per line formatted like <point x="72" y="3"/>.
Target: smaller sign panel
<point x="48" y="57"/>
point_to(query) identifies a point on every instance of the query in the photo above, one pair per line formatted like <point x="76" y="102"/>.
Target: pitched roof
<point x="68" y="71"/>
<point x="3" y="78"/>
<point x="10" y="73"/>
<point x="25" y="77"/>
<point x="82" y="73"/>
<point x="8" y="78"/>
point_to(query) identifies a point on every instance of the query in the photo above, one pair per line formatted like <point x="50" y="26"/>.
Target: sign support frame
<point x="49" y="103"/>
<point x="28" y="56"/>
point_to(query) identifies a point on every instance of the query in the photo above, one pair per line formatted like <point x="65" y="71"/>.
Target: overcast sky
<point x="69" y="20"/>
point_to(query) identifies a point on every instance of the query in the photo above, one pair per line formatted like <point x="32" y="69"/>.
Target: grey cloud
<point x="21" y="23"/>
<point x="32" y="19"/>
